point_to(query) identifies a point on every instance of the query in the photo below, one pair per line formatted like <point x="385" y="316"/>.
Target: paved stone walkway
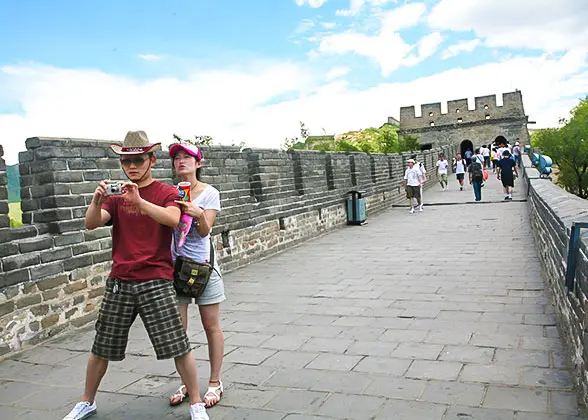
<point x="437" y="315"/>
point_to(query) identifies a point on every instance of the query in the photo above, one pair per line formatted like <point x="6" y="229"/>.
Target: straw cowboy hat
<point x="135" y="143"/>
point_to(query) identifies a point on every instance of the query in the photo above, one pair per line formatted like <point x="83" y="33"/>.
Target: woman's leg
<point x="210" y="315"/>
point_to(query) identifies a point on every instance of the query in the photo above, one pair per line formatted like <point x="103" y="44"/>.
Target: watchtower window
<point x="487" y="116"/>
<point x="430" y="114"/>
<point x="460" y="120"/>
<point x="432" y="123"/>
<point x="485" y="106"/>
<point x="457" y="110"/>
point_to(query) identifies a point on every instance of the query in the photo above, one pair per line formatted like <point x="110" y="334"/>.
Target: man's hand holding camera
<point x="101" y="193"/>
<point x="128" y="190"/>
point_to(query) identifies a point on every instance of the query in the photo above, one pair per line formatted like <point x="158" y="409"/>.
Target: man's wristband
<point x="97" y="203"/>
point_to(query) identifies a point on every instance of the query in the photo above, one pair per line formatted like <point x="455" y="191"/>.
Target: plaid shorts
<point x="155" y="301"/>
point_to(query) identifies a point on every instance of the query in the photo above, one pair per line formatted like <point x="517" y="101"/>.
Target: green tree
<point x="297" y="143"/>
<point x="382" y="139"/>
<point x="409" y="143"/>
<point x="568" y="148"/>
<point x="198" y="140"/>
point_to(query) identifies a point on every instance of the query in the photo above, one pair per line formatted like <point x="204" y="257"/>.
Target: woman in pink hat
<point x="205" y="205"/>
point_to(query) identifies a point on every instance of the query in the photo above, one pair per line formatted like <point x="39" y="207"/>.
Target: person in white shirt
<point x="423" y="171"/>
<point x="478" y="157"/>
<point x="442" y="166"/>
<point x="413" y="181"/>
<point x="486" y="154"/>
<point x="460" y="169"/>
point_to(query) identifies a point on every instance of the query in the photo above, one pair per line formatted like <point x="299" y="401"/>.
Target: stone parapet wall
<point x="52" y="270"/>
<point x="4" y="218"/>
<point x="552" y="212"/>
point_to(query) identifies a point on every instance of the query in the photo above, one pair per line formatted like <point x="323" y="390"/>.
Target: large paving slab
<point x="436" y="315"/>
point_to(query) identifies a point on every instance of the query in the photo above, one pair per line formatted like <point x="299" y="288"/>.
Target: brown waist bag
<point x="191" y="277"/>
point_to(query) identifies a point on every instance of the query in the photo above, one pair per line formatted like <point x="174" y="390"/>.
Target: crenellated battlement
<point x="486" y="108"/>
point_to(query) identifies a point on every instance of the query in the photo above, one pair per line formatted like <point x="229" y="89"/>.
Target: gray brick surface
<point x="520" y="399"/>
<point x="425" y="369"/>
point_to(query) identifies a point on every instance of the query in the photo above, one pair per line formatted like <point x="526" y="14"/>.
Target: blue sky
<point x="250" y="71"/>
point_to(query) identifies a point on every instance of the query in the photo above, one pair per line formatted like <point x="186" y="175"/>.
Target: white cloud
<point x="233" y="105"/>
<point x="539" y="24"/>
<point x="402" y="17"/>
<point x="426" y="47"/>
<point x="336" y="73"/>
<point x="312" y="3"/>
<point x="387" y="48"/>
<point x="461" y="46"/>
<point x="329" y="25"/>
<point x="304" y="26"/>
<point x="149" y="57"/>
<point x="356" y="6"/>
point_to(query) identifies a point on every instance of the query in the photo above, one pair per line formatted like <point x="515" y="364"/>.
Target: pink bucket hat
<point x="187" y="147"/>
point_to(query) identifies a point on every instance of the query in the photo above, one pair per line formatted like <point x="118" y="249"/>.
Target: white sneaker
<point x="82" y="410"/>
<point x="411" y="211"/>
<point x="198" y="412"/>
<point x="421" y="207"/>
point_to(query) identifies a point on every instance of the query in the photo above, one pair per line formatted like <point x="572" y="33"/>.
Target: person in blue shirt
<point x="507" y="170"/>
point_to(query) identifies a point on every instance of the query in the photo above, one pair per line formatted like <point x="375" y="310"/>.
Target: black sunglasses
<point x="134" y="161"/>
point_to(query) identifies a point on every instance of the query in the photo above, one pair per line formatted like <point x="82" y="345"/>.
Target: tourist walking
<point x="468" y="156"/>
<point x="516" y="151"/>
<point x="478" y="157"/>
<point x="423" y="171"/>
<point x="507" y="170"/>
<point x="476" y="177"/>
<point x="485" y="151"/>
<point x="442" y="166"/>
<point x="204" y="207"/>
<point x="460" y="166"/>
<point x="495" y="159"/>
<point x="143" y="213"/>
<point x="413" y="180"/>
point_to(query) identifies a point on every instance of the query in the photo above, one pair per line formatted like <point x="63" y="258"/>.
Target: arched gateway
<point x="465" y="145"/>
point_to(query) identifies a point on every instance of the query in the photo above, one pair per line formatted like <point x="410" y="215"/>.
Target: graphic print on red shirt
<point x="140" y="245"/>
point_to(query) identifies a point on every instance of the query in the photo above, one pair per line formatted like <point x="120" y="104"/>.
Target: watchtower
<point x="467" y="128"/>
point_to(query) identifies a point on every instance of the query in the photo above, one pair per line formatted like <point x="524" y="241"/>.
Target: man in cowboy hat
<point x="140" y="281"/>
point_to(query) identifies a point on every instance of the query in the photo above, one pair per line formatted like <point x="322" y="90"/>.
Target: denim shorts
<point x="213" y="293"/>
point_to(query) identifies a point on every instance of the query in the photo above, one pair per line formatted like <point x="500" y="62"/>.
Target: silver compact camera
<point x="114" y="188"/>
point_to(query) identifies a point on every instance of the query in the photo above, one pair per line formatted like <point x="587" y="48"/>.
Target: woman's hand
<point x="190" y="209"/>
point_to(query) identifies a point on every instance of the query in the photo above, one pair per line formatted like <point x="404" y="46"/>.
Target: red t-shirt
<point x="140" y="245"/>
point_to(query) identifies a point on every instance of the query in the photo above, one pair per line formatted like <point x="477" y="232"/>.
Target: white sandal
<point x="180" y="395"/>
<point x="211" y="394"/>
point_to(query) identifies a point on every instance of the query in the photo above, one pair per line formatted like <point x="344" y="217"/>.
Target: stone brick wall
<point x="52" y="270"/>
<point x="552" y="212"/>
<point x="4" y="218"/>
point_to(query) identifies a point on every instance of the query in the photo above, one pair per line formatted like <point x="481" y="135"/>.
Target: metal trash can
<point x="356" y="208"/>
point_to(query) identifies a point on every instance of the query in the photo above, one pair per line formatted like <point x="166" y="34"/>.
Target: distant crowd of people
<point x="501" y="157"/>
